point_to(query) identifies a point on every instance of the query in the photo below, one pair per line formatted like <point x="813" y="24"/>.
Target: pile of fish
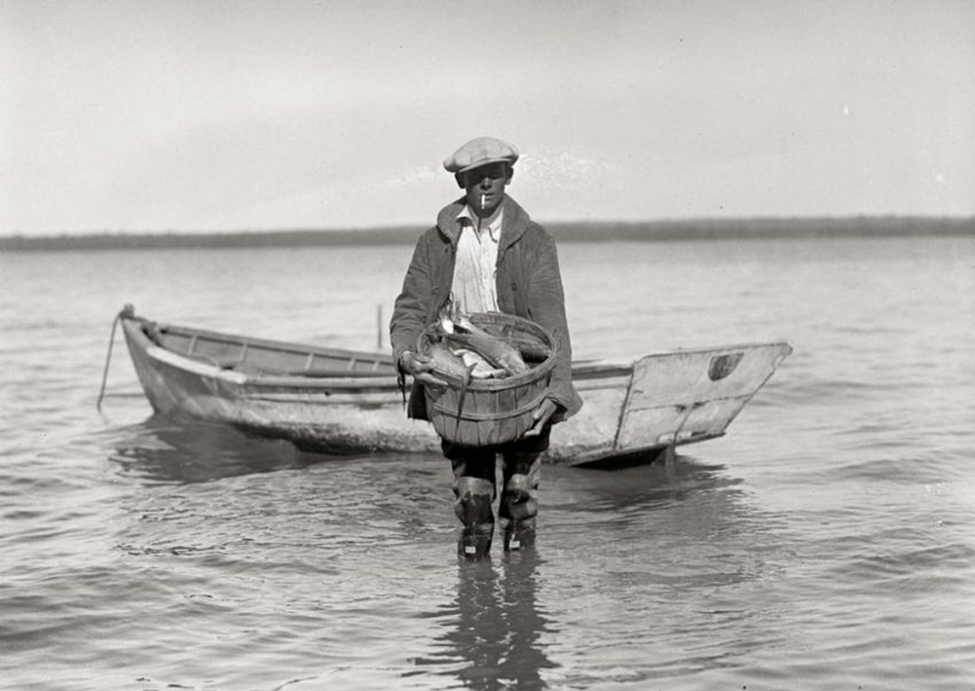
<point x="461" y="349"/>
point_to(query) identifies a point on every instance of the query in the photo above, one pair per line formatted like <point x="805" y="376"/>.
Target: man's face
<point x="485" y="187"/>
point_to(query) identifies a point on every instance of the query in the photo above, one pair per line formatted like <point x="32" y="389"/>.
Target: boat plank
<point x="329" y="398"/>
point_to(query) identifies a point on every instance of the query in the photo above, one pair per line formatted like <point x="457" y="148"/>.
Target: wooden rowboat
<point x="344" y="401"/>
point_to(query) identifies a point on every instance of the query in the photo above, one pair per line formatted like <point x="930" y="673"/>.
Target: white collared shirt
<point x="474" y="288"/>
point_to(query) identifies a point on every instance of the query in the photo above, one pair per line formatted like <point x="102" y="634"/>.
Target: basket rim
<point x="534" y="373"/>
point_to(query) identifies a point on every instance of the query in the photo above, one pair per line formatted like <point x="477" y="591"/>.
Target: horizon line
<point x="876" y="227"/>
<point x="689" y="220"/>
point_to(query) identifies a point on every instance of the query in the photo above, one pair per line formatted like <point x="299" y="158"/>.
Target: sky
<point x="202" y="115"/>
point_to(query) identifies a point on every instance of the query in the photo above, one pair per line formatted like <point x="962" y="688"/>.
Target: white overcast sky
<point x="193" y="115"/>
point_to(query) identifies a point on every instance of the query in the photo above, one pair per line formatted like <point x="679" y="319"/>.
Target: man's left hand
<point x="541" y="416"/>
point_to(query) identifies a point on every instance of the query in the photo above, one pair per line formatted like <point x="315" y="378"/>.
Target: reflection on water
<point x="493" y="626"/>
<point x="625" y="551"/>
<point x="164" y="450"/>
<point x="638" y="487"/>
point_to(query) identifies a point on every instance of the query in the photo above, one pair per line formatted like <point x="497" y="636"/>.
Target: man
<point x="486" y="255"/>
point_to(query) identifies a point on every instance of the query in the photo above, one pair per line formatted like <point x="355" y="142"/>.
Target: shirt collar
<point x="492" y="223"/>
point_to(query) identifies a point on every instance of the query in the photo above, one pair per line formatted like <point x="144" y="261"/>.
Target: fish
<point x="528" y="347"/>
<point x="463" y="324"/>
<point x="532" y="350"/>
<point x="497" y="351"/>
<point x="480" y="367"/>
<point x="446" y="362"/>
<point x="448" y="314"/>
<point x="450" y="366"/>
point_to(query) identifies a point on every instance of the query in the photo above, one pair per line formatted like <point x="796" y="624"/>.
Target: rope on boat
<point x="127" y="311"/>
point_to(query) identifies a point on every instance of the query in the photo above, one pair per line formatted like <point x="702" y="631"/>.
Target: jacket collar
<point x="513" y="226"/>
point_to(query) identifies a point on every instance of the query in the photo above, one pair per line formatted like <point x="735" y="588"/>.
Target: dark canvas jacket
<point x="528" y="282"/>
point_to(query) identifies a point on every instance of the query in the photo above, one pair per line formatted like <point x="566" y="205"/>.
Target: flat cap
<point x="479" y="152"/>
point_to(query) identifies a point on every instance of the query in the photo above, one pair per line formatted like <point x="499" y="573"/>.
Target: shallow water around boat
<point x="826" y="542"/>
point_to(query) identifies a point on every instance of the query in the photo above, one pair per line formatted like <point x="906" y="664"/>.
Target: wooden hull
<point x="346" y="401"/>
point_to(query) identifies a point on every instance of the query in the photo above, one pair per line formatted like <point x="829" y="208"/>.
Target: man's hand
<point x="541" y="416"/>
<point x="419" y="367"/>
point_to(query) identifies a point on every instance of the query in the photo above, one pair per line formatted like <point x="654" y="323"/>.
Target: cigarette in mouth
<point x="483" y="196"/>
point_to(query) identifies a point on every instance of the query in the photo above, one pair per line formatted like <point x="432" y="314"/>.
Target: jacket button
<point x="514" y="286"/>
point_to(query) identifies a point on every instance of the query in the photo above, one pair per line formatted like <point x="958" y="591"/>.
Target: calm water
<point x="828" y="542"/>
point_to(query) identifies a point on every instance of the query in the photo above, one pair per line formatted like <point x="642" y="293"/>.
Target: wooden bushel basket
<point x="495" y="410"/>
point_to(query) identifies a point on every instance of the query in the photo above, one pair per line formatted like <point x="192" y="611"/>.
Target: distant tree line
<point x="579" y="231"/>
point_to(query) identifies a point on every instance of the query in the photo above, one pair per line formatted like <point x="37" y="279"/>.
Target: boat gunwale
<point x="271" y="344"/>
<point x="585" y="369"/>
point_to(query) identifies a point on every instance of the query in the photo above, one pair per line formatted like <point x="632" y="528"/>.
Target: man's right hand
<point x="419" y="367"/>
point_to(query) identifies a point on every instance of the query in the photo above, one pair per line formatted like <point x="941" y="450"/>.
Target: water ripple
<point x="824" y="543"/>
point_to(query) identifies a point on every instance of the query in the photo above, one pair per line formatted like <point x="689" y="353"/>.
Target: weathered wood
<point x="630" y="408"/>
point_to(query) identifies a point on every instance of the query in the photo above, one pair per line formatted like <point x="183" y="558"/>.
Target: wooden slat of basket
<point x="508" y="426"/>
<point x="449" y="409"/>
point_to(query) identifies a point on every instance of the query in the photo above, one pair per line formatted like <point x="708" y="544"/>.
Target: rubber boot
<point x="519" y="534"/>
<point x="518" y="509"/>
<point x="473" y="508"/>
